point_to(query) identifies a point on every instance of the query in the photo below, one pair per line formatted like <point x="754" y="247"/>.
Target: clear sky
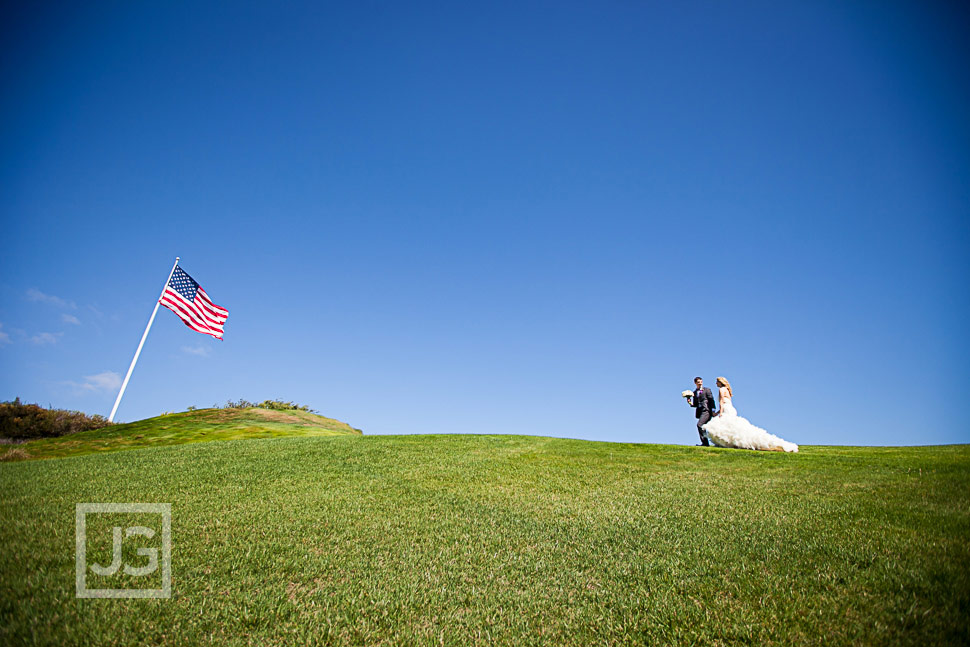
<point x="531" y="218"/>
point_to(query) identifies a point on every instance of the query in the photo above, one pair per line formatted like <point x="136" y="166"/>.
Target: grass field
<point x="466" y="540"/>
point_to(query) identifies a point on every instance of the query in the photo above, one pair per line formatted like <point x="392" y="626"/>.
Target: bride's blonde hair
<point x="724" y="384"/>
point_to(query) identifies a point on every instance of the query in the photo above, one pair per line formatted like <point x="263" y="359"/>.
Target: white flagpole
<point x="124" y="384"/>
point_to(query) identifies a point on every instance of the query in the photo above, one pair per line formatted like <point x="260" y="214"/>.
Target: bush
<point x="238" y="404"/>
<point x="20" y="421"/>
<point x="277" y="405"/>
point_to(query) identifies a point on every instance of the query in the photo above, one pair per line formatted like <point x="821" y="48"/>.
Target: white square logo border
<point x="81" y="510"/>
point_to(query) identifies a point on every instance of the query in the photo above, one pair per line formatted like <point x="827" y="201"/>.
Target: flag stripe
<point x="201" y="315"/>
<point x="191" y="324"/>
<point x="179" y="306"/>
<point x="207" y="309"/>
<point x="205" y="299"/>
<point x="192" y="312"/>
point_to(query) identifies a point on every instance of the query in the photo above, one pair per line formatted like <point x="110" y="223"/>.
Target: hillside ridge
<point x="200" y="425"/>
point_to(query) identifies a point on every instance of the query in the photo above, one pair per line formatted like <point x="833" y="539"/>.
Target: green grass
<point x="468" y="540"/>
<point x="180" y="428"/>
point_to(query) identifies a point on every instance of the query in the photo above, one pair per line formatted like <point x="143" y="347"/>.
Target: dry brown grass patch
<point x="276" y="416"/>
<point x="15" y="454"/>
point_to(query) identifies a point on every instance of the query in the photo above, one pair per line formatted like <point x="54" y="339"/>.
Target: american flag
<point x="188" y="300"/>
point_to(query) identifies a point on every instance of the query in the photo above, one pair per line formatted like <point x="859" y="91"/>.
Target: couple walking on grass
<point x="725" y="428"/>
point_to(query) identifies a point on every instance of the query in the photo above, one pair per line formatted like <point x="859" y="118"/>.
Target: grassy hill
<point x="474" y="540"/>
<point x="180" y="428"/>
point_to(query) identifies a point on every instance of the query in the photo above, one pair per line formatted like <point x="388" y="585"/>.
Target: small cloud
<point x="4" y="337"/>
<point x="34" y="294"/>
<point x="71" y="319"/>
<point x="201" y="351"/>
<point x="42" y="338"/>
<point x="106" y="382"/>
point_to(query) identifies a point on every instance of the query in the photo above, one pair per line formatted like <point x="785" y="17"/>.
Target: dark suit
<point x="704" y="407"/>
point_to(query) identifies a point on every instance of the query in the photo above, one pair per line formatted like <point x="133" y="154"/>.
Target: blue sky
<point x="520" y="218"/>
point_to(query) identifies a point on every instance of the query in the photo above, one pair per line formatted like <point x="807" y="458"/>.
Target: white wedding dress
<point x="731" y="430"/>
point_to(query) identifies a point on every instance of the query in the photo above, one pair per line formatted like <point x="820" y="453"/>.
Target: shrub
<point x="238" y="404"/>
<point x="280" y="405"/>
<point x="277" y="405"/>
<point x="21" y="421"/>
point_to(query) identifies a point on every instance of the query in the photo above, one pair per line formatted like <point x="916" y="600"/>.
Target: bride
<point x="728" y="429"/>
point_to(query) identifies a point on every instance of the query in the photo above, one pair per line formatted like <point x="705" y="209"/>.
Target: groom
<point x="704" y="405"/>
